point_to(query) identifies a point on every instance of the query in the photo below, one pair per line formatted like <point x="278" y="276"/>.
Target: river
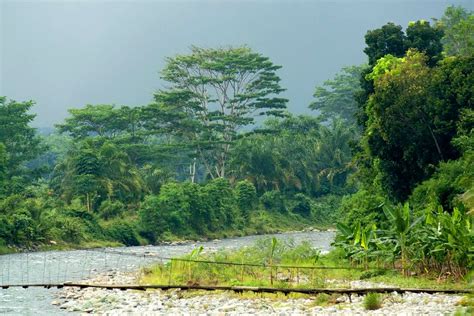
<point x="62" y="266"/>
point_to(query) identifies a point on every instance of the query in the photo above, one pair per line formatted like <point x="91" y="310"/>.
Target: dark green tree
<point x="389" y="39"/>
<point x="425" y="38"/>
<point x="412" y="115"/>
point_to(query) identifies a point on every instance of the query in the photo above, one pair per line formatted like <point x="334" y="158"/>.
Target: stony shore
<point x="116" y="302"/>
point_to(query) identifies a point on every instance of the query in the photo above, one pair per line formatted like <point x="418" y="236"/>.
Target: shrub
<point x="372" y="301"/>
<point x="302" y="205"/>
<point x="123" y="232"/>
<point x="111" y="209"/>
<point x="326" y="209"/>
<point x="152" y="221"/>
<point x="246" y="195"/>
<point x="363" y="205"/>
<point x="68" y="229"/>
<point x="220" y="203"/>
<point x="273" y="200"/>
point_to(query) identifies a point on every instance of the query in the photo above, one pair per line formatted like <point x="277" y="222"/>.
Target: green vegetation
<point x="283" y="264"/>
<point x="190" y="165"/>
<point x="372" y="301"/>
<point x="388" y="158"/>
<point x="413" y="208"/>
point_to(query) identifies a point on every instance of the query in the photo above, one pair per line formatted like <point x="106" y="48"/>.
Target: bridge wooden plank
<point x="144" y="287"/>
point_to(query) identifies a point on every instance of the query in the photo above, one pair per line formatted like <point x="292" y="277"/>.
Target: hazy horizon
<point x="65" y="54"/>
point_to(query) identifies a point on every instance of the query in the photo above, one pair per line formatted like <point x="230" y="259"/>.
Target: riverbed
<point x="63" y="266"/>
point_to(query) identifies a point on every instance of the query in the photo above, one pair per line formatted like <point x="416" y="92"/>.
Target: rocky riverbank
<point x="112" y="302"/>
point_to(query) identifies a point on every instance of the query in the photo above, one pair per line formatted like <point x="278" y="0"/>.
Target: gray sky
<point x="65" y="54"/>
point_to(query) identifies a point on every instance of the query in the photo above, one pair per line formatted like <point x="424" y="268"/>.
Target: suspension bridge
<point x="80" y="268"/>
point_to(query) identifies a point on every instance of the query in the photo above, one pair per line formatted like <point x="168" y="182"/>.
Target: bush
<point x="246" y="195"/>
<point x="326" y="209"/>
<point x="123" y="232"/>
<point x="362" y="206"/>
<point x="111" y="209"/>
<point x="302" y="205"/>
<point x="372" y="301"/>
<point x="87" y="219"/>
<point x="444" y="188"/>
<point x="220" y="203"/>
<point x="274" y="200"/>
<point x="68" y="229"/>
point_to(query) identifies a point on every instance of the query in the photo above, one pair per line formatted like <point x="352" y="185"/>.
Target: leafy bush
<point x="362" y="206"/>
<point x="274" y="200"/>
<point x="326" y="209"/>
<point x="302" y="205"/>
<point x="123" y="232"/>
<point x="246" y="195"/>
<point x="69" y="229"/>
<point x="219" y="200"/>
<point x="111" y="209"/>
<point x="372" y="301"/>
<point x="444" y="188"/>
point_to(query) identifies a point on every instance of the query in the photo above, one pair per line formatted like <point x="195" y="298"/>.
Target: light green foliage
<point x="372" y="301"/>
<point x="266" y="252"/>
<point x="335" y="99"/>
<point x="434" y="242"/>
<point x="458" y="26"/>
<point x="384" y="65"/>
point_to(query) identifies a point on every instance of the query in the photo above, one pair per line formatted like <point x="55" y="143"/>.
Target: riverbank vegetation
<point x="387" y="156"/>
<point x="279" y="263"/>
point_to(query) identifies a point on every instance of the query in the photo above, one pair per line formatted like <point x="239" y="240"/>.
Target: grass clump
<point x="372" y="301"/>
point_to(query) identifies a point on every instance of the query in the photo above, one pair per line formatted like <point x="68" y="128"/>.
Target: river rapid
<point x="63" y="266"/>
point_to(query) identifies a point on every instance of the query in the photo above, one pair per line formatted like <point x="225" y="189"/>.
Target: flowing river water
<point x="62" y="266"/>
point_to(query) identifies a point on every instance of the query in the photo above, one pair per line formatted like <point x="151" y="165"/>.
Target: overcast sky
<point x="65" y="54"/>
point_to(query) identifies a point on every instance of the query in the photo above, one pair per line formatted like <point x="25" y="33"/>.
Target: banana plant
<point x="401" y="224"/>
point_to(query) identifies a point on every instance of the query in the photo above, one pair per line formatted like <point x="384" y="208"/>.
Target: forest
<point x="387" y="155"/>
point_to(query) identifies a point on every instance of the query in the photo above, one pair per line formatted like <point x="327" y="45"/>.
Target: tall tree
<point x="3" y="167"/>
<point x="425" y="38"/>
<point x="412" y="115"/>
<point x="458" y="26"/>
<point x="98" y="120"/>
<point x="389" y="39"/>
<point x="95" y="172"/>
<point x="335" y="99"/>
<point x="213" y="94"/>
<point x="19" y="138"/>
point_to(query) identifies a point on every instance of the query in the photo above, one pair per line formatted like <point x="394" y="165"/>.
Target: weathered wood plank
<point x="256" y="289"/>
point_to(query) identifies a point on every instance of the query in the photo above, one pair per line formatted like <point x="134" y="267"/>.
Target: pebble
<point x="157" y="302"/>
